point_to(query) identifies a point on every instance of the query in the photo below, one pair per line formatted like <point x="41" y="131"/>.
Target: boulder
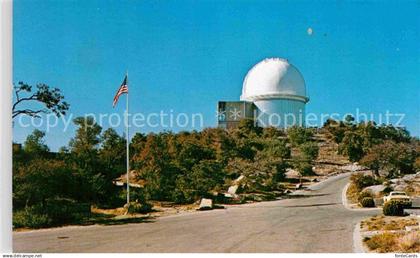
<point x="291" y="173"/>
<point x="228" y="195"/>
<point x="410" y="177"/>
<point x="375" y="189"/>
<point x="353" y="167"/>
<point x="239" y="179"/>
<point x="400" y="187"/>
<point x="395" y="181"/>
<point x="206" y="204"/>
<point x="232" y="189"/>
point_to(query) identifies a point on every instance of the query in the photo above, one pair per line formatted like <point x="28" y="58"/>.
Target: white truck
<point x="398" y="196"/>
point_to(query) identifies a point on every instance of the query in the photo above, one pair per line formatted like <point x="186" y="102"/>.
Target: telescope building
<point x="273" y="94"/>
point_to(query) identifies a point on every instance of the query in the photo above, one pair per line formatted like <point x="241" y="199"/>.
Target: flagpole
<point x="128" y="147"/>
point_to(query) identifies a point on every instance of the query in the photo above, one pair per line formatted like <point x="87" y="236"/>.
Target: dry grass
<point x="395" y="242"/>
<point x="352" y="193"/>
<point x="410" y="242"/>
<point x="385" y="223"/>
<point x="401" y="241"/>
<point x="114" y="212"/>
<point x="413" y="189"/>
<point x="382" y="243"/>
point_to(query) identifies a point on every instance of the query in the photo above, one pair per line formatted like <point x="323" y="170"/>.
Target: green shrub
<point x="136" y="207"/>
<point x="310" y="150"/>
<point x="387" y="189"/>
<point x="56" y="211"/>
<point x="367" y="202"/>
<point x="30" y="218"/>
<point x="363" y="195"/>
<point x="63" y="211"/>
<point x="299" y="135"/>
<point x="361" y="181"/>
<point x="304" y="168"/>
<point x="393" y="208"/>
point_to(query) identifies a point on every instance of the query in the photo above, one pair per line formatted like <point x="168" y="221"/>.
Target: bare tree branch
<point x="51" y="98"/>
<point x="33" y="113"/>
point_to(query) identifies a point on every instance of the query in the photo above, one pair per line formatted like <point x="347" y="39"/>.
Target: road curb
<point x="346" y="205"/>
<point x="358" y="246"/>
<point x="344" y="197"/>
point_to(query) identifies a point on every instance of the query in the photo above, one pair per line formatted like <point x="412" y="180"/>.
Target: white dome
<point x="274" y="78"/>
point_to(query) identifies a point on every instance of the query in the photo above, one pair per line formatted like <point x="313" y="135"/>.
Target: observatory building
<point x="273" y="94"/>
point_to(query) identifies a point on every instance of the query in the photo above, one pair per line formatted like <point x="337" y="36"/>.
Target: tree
<point x="352" y="146"/>
<point x="276" y="149"/>
<point x="204" y="177"/>
<point x="156" y="167"/>
<point x="247" y="128"/>
<point x="84" y="152"/>
<point x="137" y="144"/>
<point x="112" y="153"/>
<point x="192" y="153"/>
<point x="41" y="179"/>
<point x="35" y="144"/>
<point x="370" y="134"/>
<point x="304" y="167"/>
<point x="262" y="173"/>
<point x="220" y="141"/>
<point x="310" y="151"/>
<point x="298" y="135"/>
<point x="397" y="134"/>
<point x="87" y="136"/>
<point x="336" y="129"/>
<point x="50" y="98"/>
<point x="349" y="120"/>
<point x="394" y="158"/>
<point x="272" y="132"/>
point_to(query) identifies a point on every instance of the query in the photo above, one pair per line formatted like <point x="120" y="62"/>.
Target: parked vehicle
<point x="398" y="196"/>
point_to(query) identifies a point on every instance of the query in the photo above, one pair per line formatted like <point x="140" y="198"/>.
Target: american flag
<point x="123" y="89"/>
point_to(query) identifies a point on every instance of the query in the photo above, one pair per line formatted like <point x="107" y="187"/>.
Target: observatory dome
<point x="274" y="78"/>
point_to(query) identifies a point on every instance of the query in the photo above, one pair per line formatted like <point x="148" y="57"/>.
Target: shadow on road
<point x="295" y="196"/>
<point x="111" y="222"/>
<point x="311" y="205"/>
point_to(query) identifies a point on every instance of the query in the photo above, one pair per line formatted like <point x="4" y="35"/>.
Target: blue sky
<point x="186" y="55"/>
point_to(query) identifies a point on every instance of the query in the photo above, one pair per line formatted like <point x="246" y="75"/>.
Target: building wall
<point x="280" y="113"/>
<point x="230" y="113"/>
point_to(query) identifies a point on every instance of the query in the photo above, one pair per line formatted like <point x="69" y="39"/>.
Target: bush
<point x="384" y="242"/>
<point x="63" y="211"/>
<point x="361" y="181"/>
<point x="387" y="190"/>
<point x="299" y="135"/>
<point x="367" y="202"/>
<point x="55" y="212"/>
<point x="304" y="168"/>
<point x="310" y="150"/>
<point x="362" y="195"/>
<point x="136" y="207"/>
<point x="393" y="208"/>
<point x="30" y="218"/>
<point x="409" y="242"/>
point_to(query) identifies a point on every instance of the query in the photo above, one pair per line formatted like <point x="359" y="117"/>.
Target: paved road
<point x="316" y="223"/>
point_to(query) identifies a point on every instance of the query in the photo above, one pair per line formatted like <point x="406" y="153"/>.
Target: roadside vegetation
<point x="388" y="242"/>
<point x="382" y="222"/>
<point x="56" y="188"/>
<point x="390" y="234"/>
<point x="385" y="151"/>
<point x="59" y="188"/>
